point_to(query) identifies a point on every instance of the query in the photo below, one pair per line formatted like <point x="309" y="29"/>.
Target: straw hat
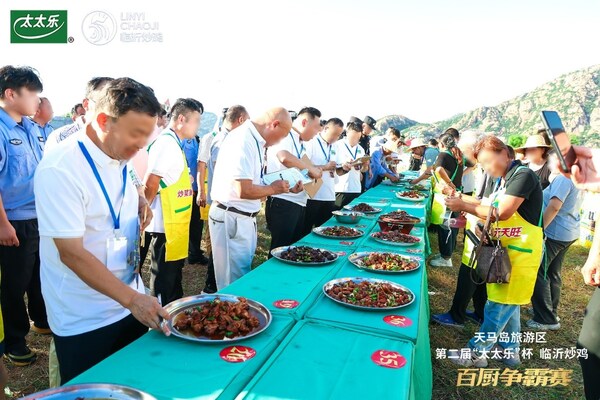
<point x="533" y="141"/>
<point x="418" y="142"/>
<point x="390" y="145"/>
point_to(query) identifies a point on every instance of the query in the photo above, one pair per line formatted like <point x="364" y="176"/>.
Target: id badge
<point x="116" y="253"/>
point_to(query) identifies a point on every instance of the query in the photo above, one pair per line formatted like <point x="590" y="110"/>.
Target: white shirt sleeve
<point x="60" y="204"/>
<point x="165" y="159"/>
<point x="205" y="143"/>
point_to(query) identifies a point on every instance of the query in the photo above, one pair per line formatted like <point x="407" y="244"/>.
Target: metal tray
<point x="356" y="258"/>
<point x="394" y="243"/>
<point x="178" y="306"/>
<point x="376" y="210"/>
<point x="329" y="284"/>
<point x="318" y="231"/>
<point x="409" y="198"/>
<point x="276" y="253"/>
<point x="90" y="391"/>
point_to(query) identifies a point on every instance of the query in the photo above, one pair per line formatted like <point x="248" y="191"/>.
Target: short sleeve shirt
<point x="70" y="204"/>
<point x="565" y="226"/>
<point x="165" y="159"/>
<point x="522" y="182"/>
<point x="320" y="153"/>
<point x="296" y="147"/>
<point x="241" y="157"/>
<point x="350" y="181"/>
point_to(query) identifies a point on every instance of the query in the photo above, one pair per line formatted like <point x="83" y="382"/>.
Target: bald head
<point x="273" y="125"/>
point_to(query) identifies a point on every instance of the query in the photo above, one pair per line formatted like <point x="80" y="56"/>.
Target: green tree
<point x="516" y="140"/>
<point x="575" y="140"/>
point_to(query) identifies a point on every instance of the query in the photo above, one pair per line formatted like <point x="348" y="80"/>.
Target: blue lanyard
<point x="298" y="153"/>
<point x="116" y="218"/>
<point x="355" y="151"/>
<point x="260" y="158"/>
<point x="327" y="156"/>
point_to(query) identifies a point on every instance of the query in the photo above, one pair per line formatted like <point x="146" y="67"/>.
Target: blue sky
<point x="427" y="60"/>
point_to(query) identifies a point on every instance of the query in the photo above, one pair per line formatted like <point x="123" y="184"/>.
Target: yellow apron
<point x="176" y="202"/>
<point x="438" y="207"/>
<point x="524" y="242"/>
<point x="469" y="246"/>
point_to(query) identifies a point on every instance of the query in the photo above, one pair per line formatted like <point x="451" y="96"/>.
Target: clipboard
<point x="313" y="187"/>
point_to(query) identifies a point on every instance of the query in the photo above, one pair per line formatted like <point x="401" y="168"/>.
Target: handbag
<point x="493" y="263"/>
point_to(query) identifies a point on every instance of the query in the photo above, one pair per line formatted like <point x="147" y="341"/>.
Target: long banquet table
<point x="316" y="350"/>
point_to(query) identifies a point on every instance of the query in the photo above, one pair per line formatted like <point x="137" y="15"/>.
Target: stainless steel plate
<point x="319" y="231"/>
<point x="330" y="284"/>
<point x="394" y="243"/>
<point x="178" y="306"/>
<point x="277" y="254"/>
<point x="356" y="259"/>
<point x="91" y="391"/>
<point x="376" y="210"/>
<point x="417" y="200"/>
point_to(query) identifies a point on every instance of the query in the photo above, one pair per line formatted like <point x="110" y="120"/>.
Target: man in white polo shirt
<point x="349" y="150"/>
<point x="169" y="192"/>
<point x="233" y="117"/>
<point x="322" y="153"/>
<point x="88" y="211"/>
<point x="285" y="212"/>
<point x="237" y="191"/>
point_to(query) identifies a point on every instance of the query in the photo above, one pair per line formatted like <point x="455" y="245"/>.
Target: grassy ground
<point x="442" y="283"/>
<point x="574" y="298"/>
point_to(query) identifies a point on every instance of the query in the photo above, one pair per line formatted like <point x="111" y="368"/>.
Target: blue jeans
<point x="498" y="318"/>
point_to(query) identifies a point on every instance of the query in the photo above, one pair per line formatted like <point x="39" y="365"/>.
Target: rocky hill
<point x="576" y="97"/>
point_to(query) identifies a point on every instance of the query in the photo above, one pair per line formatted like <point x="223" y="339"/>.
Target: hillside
<point x="576" y="97"/>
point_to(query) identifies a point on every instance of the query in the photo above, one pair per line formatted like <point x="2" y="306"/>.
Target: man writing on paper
<point x="322" y="152"/>
<point x="88" y="211"/>
<point x="285" y="212"/>
<point x="237" y="191"/>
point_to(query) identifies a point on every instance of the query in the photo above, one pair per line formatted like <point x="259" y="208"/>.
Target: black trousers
<point x="285" y="221"/>
<point x="546" y="294"/>
<point x="467" y="290"/>
<point x="316" y="214"/>
<point x="78" y="353"/>
<point x="446" y="243"/>
<point x="196" y="226"/>
<point x="166" y="276"/>
<point x="589" y="338"/>
<point x="20" y="275"/>
<point x="343" y="199"/>
<point x="211" y="282"/>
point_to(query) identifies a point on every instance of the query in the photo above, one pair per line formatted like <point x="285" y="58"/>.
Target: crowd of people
<point x="83" y="206"/>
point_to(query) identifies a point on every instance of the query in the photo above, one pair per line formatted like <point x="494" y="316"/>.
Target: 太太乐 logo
<point x="38" y="26"/>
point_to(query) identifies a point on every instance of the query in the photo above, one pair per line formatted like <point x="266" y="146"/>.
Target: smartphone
<point x="559" y="140"/>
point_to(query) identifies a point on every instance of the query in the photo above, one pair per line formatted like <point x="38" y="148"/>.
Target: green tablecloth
<point x="325" y="356"/>
<point x="173" y="368"/>
<point x="318" y="361"/>
<point x="275" y="280"/>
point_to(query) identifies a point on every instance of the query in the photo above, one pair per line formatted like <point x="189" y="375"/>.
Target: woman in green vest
<point x="518" y="198"/>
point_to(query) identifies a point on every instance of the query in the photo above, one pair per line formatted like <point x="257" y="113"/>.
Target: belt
<point x="235" y="210"/>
